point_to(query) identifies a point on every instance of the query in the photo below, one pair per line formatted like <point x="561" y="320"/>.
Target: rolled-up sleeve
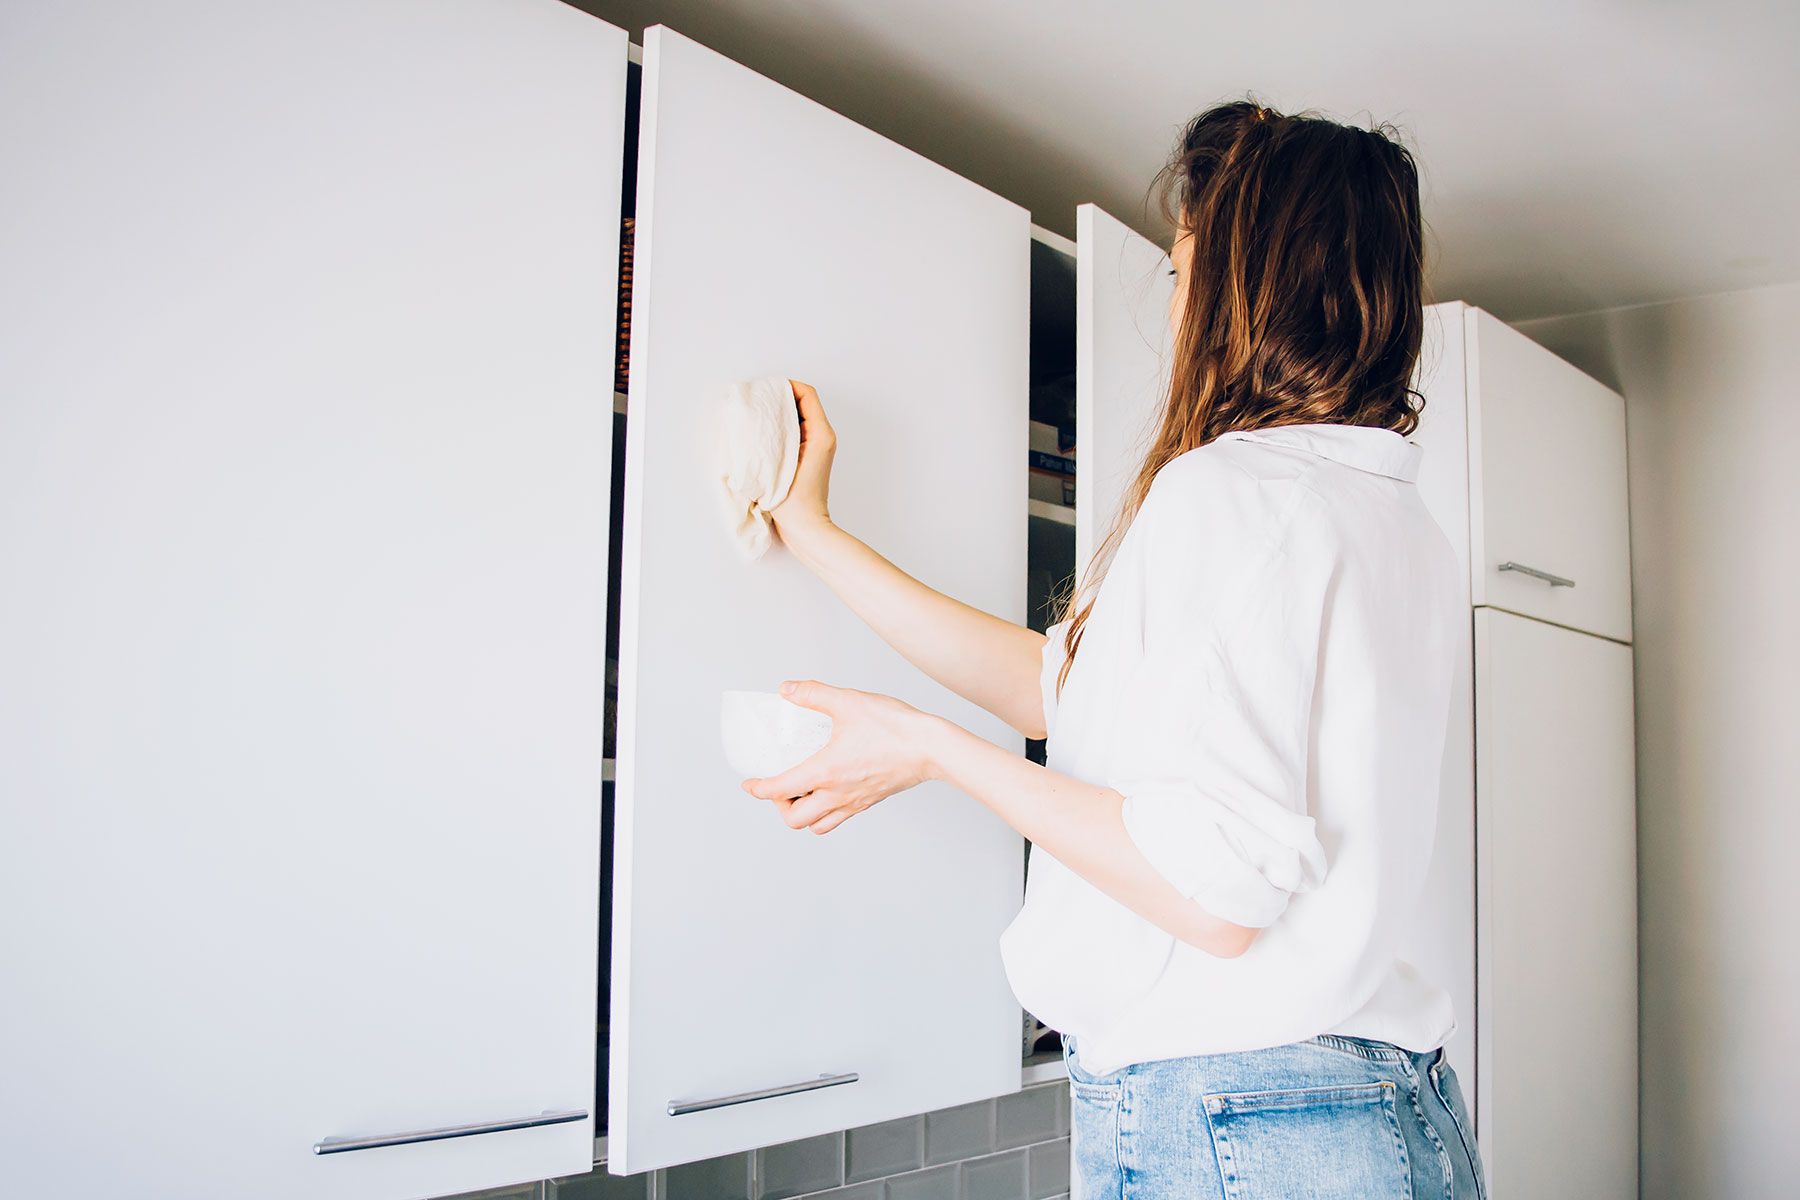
<point x="1211" y="745"/>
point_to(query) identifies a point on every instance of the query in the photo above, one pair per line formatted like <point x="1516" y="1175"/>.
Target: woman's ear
<point x="1181" y="257"/>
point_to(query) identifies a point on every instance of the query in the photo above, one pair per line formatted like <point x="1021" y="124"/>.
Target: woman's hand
<point x="879" y="746"/>
<point x="806" y="506"/>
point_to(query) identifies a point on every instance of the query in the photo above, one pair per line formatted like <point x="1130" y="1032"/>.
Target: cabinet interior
<point x="615" y="543"/>
<point x="1050" y="547"/>
<point x="1050" y="554"/>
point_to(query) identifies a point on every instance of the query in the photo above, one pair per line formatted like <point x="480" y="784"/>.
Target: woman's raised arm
<point x="986" y="660"/>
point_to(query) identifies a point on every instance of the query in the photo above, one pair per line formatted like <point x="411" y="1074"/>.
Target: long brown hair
<point x="1305" y="293"/>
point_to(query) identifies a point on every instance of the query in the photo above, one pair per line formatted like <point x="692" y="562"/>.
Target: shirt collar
<point x="1380" y="451"/>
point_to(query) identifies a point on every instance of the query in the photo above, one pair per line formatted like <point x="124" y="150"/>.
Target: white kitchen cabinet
<point x="1558" y="919"/>
<point x="1123" y="288"/>
<point x="1530" y="905"/>
<point x="303" y="460"/>
<point x="1549" y="527"/>
<point x="768" y="985"/>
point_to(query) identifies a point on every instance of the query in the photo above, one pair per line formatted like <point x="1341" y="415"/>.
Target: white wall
<point x="1713" y="410"/>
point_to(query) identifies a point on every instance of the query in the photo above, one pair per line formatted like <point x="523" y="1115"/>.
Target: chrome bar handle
<point x="1547" y="577"/>
<point x="338" y="1145"/>
<point x="680" y="1108"/>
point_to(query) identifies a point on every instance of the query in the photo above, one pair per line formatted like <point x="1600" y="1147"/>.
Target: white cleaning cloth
<point x="759" y="450"/>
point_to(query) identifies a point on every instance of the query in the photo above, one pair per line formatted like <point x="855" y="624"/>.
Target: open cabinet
<point x="303" y="506"/>
<point x="859" y="971"/>
<point x="1099" y="352"/>
<point x="1124" y="288"/>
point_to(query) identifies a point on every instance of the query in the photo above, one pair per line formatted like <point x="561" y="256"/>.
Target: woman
<point x="1246" y="706"/>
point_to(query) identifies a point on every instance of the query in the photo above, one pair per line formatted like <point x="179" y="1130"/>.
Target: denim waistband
<point x="1406" y="1061"/>
<point x="1377" y="1051"/>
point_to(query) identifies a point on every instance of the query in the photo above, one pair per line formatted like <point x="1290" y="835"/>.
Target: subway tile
<point x="517" y="1191"/>
<point x="934" y="1183"/>
<point x="598" y="1185"/>
<point x="793" y="1168"/>
<point x="1027" y="1116"/>
<point x="997" y="1177"/>
<point x="1049" y="1171"/>
<point x="873" y="1190"/>
<point x="963" y="1132"/>
<point x="1062" y="1108"/>
<point x="726" y="1178"/>
<point x="885" y="1149"/>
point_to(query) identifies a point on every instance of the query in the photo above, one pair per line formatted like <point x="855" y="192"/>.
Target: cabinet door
<point x="1556" y="838"/>
<point x="303" y="506"/>
<point x="1551" y="536"/>
<point x="769" y="984"/>
<point x="1122" y="291"/>
<point x="1442" y="942"/>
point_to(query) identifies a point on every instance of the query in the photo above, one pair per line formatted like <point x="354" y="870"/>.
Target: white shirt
<point x="1265" y="678"/>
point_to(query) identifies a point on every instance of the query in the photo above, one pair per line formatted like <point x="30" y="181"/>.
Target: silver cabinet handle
<point x="678" y="1108"/>
<point x="338" y="1145"/>
<point x="1547" y="577"/>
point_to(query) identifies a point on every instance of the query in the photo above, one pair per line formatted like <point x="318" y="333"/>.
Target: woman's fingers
<point x="812" y="410"/>
<point x="791" y="783"/>
<point x="810" y="693"/>
<point x="821" y="812"/>
<point x="831" y="822"/>
<point x="806" y="509"/>
<point x="808" y="810"/>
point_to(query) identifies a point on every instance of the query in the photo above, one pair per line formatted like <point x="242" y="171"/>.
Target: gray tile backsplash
<point x="796" y="1168"/>
<point x="726" y="1178"/>
<point x="996" y="1177"/>
<point x="598" y="1185"/>
<point x="885" y="1149"/>
<point x="1028" y="1116"/>
<point x="933" y="1183"/>
<point x="1012" y="1148"/>
<point x="1049" y="1169"/>
<point x="875" y="1189"/>
<point x="958" y="1133"/>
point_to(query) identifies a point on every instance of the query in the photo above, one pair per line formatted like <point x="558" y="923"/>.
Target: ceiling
<point x="1575" y="155"/>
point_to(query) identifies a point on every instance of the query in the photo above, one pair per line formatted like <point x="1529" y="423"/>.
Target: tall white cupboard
<point x="1532" y="901"/>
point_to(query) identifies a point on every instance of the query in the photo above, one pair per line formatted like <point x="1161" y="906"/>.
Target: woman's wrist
<point x="941" y="742"/>
<point x="806" y="535"/>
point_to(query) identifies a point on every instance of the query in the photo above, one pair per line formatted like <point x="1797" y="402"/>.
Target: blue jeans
<point x="1329" y="1118"/>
